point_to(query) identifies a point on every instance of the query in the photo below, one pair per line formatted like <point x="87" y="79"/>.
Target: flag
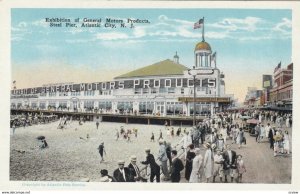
<point x="198" y="24"/>
<point x="277" y="67"/>
<point x="213" y="57"/>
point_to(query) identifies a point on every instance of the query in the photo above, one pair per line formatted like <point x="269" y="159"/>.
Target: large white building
<point x="164" y="88"/>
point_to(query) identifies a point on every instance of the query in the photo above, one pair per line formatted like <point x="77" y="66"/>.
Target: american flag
<point x="198" y="24"/>
<point x="277" y="67"/>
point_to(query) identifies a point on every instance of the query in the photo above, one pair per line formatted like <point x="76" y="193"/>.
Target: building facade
<point x="164" y="88"/>
<point x="282" y="92"/>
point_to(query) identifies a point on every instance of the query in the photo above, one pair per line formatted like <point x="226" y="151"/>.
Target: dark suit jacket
<point x="177" y="166"/>
<point x="119" y="177"/>
<point x="227" y="164"/>
<point x="153" y="165"/>
<point x="133" y="173"/>
<point x="271" y="134"/>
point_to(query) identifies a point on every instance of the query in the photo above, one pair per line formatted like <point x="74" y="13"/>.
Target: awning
<point x="205" y="99"/>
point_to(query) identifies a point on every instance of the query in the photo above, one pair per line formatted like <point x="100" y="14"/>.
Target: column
<point x="212" y="104"/>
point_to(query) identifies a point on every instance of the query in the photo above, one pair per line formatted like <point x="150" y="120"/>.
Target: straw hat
<point x="133" y="158"/>
<point x="213" y="146"/>
<point x="121" y="162"/>
<point x="207" y="145"/>
<point x="147" y="150"/>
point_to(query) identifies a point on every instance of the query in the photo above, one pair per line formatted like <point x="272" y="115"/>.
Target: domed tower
<point x="203" y="55"/>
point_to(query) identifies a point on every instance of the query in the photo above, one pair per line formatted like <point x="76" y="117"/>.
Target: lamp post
<point x="193" y="72"/>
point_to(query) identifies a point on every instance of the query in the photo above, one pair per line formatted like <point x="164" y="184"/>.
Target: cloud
<point x="40" y="23"/>
<point x="112" y="36"/>
<point x="284" y="26"/>
<point x="235" y="24"/>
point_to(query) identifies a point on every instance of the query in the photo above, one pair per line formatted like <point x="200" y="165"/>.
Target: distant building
<point x="281" y="95"/>
<point x="253" y="97"/>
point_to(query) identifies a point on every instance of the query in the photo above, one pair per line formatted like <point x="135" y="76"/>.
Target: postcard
<point x="125" y="95"/>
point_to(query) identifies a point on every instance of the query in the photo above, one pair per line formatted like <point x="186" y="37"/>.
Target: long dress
<point x="286" y="142"/>
<point x="208" y="163"/>
<point x="197" y="162"/>
<point x="189" y="164"/>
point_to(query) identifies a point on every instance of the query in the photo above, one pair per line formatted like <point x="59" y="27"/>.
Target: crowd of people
<point x="205" y="151"/>
<point x="219" y="160"/>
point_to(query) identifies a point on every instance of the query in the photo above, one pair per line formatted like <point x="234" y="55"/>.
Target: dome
<point x="202" y="46"/>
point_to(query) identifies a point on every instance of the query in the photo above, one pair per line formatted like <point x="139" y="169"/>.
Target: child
<point x="240" y="168"/>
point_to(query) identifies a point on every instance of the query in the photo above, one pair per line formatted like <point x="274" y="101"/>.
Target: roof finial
<point x="176" y="58"/>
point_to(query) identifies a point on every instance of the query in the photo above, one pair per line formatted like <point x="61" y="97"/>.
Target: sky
<point x="248" y="43"/>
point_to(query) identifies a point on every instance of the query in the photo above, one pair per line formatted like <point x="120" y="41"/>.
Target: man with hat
<point x="155" y="170"/>
<point x="134" y="170"/>
<point x="122" y="174"/>
<point x="162" y="157"/>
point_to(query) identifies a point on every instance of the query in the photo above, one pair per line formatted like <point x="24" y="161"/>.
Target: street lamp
<point x="193" y="72"/>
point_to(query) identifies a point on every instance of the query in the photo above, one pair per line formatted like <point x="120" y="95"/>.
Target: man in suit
<point x="162" y="157"/>
<point x="229" y="163"/>
<point x="122" y="174"/>
<point x="271" y="137"/>
<point x="177" y="166"/>
<point x="155" y="169"/>
<point x="134" y="170"/>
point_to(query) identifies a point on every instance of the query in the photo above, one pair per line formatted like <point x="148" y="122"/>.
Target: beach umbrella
<point x="41" y="137"/>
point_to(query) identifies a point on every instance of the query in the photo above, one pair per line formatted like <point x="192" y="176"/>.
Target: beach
<point x="71" y="158"/>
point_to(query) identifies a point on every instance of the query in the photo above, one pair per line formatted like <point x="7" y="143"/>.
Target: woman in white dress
<point x="208" y="162"/>
<point x="197" y="167"/>
<point x="286" y="142"/>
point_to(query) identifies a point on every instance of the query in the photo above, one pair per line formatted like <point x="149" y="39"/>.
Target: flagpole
<point x="203" y="31"/>
<point x="215" y="59"/>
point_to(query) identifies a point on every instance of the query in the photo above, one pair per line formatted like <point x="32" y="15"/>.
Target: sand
<point x="70" y="158"/>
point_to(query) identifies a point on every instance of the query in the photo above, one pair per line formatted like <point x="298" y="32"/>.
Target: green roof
<point x="166" y="67"/>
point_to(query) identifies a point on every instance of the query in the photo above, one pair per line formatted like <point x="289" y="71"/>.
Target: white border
<point x="5" y="84"/>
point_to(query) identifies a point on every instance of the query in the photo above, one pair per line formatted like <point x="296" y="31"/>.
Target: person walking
<point x="218" y="166"/>
<point x="155" y="169"/>
<point x="189" y="161"/>
<point x="208" y="162"/>
<point x="122" y="174"/>
<point x="197" y="167"/>
<point x="240" y="137"/>
<point x="177" y="167"/>
<point x="271" y="137"/>
<point x="286" y="142"/>
<point x="101" y="151"/>
<point x="162" y="157"/>
<point x="241" y="169"/>
<point x="229" y="163"/>
<point x="152" y="137"/>
<point x="97" y="124"/>
<point x="168" y="151"/>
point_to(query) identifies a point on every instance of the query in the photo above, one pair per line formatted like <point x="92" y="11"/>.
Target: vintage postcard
<point x="110" y="95"/>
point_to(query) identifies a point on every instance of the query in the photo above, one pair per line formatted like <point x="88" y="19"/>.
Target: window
<point x="171" y="90"/>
